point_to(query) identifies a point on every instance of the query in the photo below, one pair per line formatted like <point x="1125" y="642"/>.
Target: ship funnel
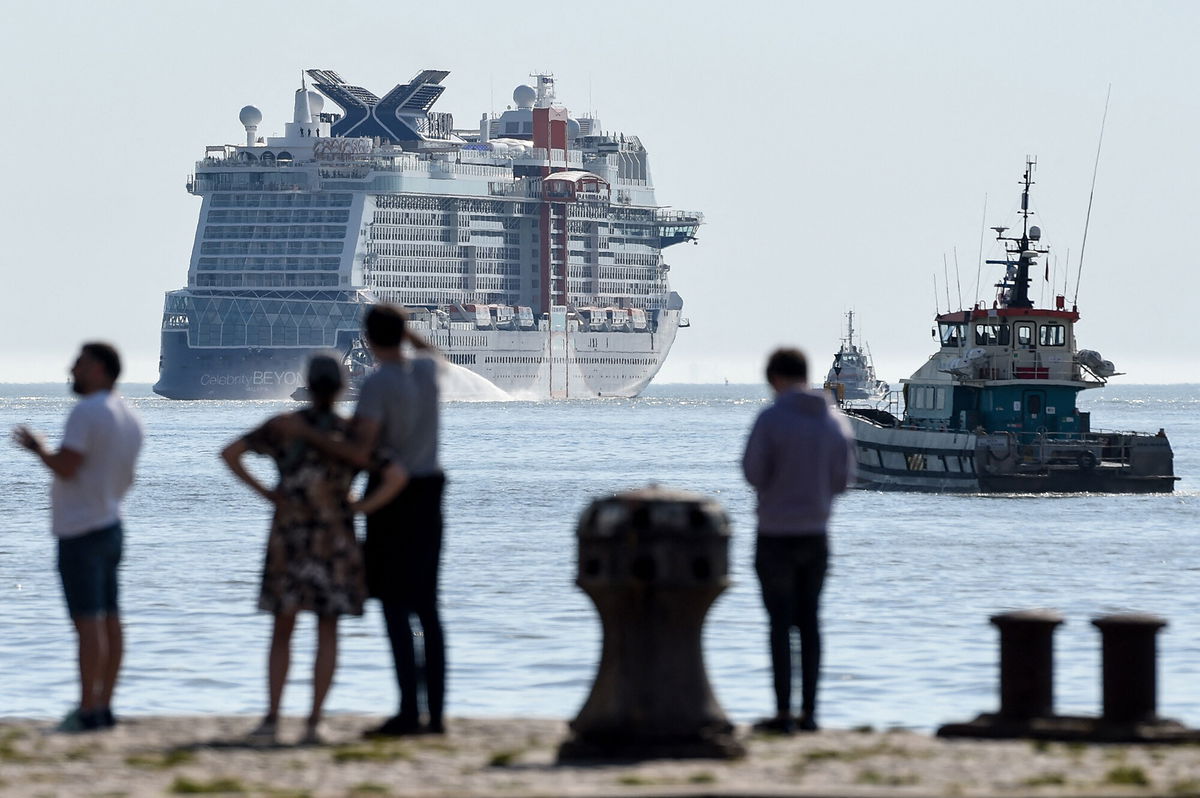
<point x="303" y="112"/>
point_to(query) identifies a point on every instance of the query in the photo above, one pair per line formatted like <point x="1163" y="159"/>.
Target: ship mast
<point x="1015" y="286"/>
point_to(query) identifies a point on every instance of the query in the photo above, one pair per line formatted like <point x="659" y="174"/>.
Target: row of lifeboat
<point x="507" y="317"/>
<point x="495" y="317"/>
<point x="611" y="319"/>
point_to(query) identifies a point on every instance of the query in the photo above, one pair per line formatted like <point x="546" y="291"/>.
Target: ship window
<point x="1052" y="335"/>
<point x="991" y="335"/>
<point x="1025" y="334"/>
<point x="952" y="334"/>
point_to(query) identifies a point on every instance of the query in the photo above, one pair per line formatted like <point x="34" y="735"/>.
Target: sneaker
<point x="433" y="727"/>
<point x="107" y="718"/>
<point x="780" y="724"/>
<point x="265" y="733"/>
<point x="396" y="726"/>
<point x="77" y="721"/>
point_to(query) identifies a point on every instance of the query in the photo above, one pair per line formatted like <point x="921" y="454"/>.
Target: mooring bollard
<point x="1129" y="666"/>
<point x="1027" y="678"/>
<point x="1027" y="662"/>
<point x="653" y="561"/>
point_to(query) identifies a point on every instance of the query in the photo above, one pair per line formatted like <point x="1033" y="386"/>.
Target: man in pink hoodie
<point x="799" y="456"/>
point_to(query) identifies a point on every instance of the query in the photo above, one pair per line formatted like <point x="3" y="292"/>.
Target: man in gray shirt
<point x="798" y="457"/>
<point x="397" y="419"/>
<point x="93" y="468"/>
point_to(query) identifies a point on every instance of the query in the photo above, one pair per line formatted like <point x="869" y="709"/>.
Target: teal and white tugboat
<point x="994" y="410"/>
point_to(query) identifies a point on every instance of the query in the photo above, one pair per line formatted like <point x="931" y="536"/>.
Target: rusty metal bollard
<point x="653" y="561"/>
<point x="1129" y="666"/>
<point x="1027" y="662"/>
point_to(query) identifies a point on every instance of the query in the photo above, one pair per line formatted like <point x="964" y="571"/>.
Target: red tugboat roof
<point x="1006" y="313"/>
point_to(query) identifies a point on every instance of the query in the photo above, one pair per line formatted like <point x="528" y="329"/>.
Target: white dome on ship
<point x="250" y="116"/>
<point x="524" y="96"/>
<point x="315" y="102"/>
<point x="572" y="130"/>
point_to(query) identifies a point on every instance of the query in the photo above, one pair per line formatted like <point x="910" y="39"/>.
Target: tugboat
<point x="359" y="364"/>
<point x="852" y="375"/>
<point x="994" y="409"/>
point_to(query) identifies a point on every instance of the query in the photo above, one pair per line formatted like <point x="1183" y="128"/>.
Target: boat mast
<point x="1025" y="250"/>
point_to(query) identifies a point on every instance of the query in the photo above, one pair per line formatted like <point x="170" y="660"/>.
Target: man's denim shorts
<point x="88" y="566"/>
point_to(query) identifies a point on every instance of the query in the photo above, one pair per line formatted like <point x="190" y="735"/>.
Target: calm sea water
<point x="914" y="578"/>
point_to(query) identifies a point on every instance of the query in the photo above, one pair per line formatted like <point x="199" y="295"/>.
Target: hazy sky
<point x="837" y="150"/>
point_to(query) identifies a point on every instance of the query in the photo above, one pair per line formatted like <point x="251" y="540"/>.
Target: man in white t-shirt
<point x="93" y="468"/>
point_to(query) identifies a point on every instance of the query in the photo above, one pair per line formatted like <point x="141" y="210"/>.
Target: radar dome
<point x="572" y="130"/>
<point x="524" y="96"/>
<point x="1035" y="233"/>
<point x="250" y="116"/>
<point x="315" y="103"/>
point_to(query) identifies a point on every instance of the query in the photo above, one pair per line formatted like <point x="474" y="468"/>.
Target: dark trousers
<point x="791" y="570"/>
<point x="403" y="553"/>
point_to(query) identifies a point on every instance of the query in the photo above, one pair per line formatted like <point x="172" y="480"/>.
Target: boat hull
<point x="936" y="461"/>
<point x="525" y="364"/>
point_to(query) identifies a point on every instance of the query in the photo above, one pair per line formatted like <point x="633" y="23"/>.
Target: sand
<point x="154" y="756"/>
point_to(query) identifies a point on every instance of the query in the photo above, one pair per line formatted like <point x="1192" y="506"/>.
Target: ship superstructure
<point x="529" y="250"/>
<point x="995" y="408"/>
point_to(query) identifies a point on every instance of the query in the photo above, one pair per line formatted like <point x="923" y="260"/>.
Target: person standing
<point x="798" y="457"/>
<point x="93" y="469"/>
<point x="313" y="561"/>
<point x="398" y="411"/>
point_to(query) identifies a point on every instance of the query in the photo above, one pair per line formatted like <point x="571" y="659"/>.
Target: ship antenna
<point x="1087" y="220"/>
<point x="946" y="281"/>
<point x="958" y="279"/>
<point x="1066" y="271"/>
<point x="979" y="263"/>
<point x="936" y="311"/>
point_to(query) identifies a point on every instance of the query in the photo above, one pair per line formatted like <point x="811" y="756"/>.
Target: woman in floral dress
<point x="313" y="561"/>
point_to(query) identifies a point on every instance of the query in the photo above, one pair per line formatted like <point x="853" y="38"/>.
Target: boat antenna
<point x="1087" y="220"/>
<point x="946" y="278"/>
<point x="1066" y="271"/>
<point x="979" y="263"/>
<point x="958" y="279"/>
<point x="936" y="311"/>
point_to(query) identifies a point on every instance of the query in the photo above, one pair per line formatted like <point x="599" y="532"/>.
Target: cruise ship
<point x="529" y="250"/>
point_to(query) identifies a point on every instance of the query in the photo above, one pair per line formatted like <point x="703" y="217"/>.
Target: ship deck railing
<point x="1105" y="447"/>
<point x="997" y="367"/>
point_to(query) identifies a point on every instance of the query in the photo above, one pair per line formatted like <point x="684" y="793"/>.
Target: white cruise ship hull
<point x="524" y="364"/>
